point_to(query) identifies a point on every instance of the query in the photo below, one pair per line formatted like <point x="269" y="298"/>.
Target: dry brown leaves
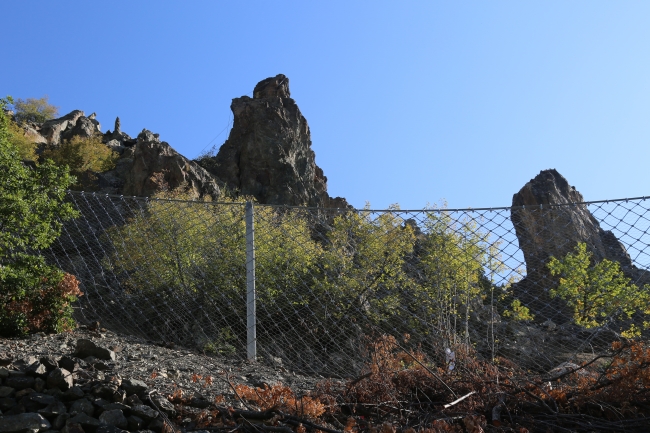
<point x="282" y="398"/>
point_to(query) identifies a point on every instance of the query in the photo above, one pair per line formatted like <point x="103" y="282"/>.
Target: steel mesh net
<point x="328" y="282"/>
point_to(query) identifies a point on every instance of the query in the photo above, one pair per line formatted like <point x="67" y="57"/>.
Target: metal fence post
<point x="251" y="319"/>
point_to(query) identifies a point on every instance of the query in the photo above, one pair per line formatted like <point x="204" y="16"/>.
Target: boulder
<point x="53" y="409"/>
<point x="33" y="133"/>
<point x="550" y="221"/>
<point x="83" y="127"/>
<point x="23" y="423"/>
<point x="53" y="129"/>
<point x="86" y="348"/>
<point x="113" y="417"/>
<point x="83" y="405"/>
<point x="144" y="412"/>
<point x="60" y="378"/>
<point x="268" y="153"/>
<point x="116" y="146"/>
<point x="19" y="382"/>
<point x="87" y="423"/>
<point x="134" y="386"/>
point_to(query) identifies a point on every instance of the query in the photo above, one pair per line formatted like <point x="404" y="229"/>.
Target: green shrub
<point x="40" y="299"/>
<point x="598" y="292"/>
<point x="34" y="296"/>
<point x="362" y="267"/>
<point x="34" y="110"/>
<point x="84" y="156"/>
<point x="202" y="258"/>
<point x="518" y="312"/>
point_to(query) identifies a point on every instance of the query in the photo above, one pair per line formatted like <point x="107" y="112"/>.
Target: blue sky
<point x="408" y="102"/>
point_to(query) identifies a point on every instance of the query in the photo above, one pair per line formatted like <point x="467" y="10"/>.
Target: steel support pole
<point x="251" y="319"/>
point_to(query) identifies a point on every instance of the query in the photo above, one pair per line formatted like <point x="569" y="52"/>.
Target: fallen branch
<point x="448" y="405"/>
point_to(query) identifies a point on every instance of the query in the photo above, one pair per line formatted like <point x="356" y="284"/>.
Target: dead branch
<point x="448" y="405"/>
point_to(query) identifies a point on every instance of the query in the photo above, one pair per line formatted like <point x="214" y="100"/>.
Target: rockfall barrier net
<point x="312" y="289"/>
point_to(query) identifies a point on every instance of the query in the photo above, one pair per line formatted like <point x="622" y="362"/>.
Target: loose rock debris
<point x="95" y="381"/>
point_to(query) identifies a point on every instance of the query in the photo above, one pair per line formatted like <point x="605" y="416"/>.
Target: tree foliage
<point x="37" y="110"/>
<point x="453" y="259"/>
<point x="362" y="268"/>
<point x="518" y="312"/>
<point x="203" y="258"/>
<point x="83" y="156"/>
<point x="31" y="213"/>
<point x="598" y="292"/>
<point x="25" y="146"/>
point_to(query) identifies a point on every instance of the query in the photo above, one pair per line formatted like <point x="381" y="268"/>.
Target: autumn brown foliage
<point x="281" y="398"/>
<point x="401" y="391"/>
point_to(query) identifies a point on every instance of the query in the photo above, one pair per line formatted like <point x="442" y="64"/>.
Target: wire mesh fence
<point x="509" y="283"/>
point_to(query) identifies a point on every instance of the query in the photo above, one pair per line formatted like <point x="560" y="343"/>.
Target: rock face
<point x="55" y="131"/>
<point x="146" y="165"/>
<point x="152" y="166"/>
<point x="268" y="154"/>
<point x="548" y="224"/>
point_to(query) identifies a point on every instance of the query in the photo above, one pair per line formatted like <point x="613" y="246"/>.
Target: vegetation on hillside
<point x="405" y="391"/>
<point x="83" y="156"/>
<point x="319" y="276"/>
<point x="36" y="110"/>
<point x="34" y="296"/>
<point x="24" y="145"/>
<point x="599" y="293"/>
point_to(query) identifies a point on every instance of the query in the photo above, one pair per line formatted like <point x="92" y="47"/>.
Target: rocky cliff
<point x="53" y="132"/>
<point x="145" y="166"/>
<point x="548" y="223"/>
<point x="268" y="154"/>
<point x="148" y="165"/>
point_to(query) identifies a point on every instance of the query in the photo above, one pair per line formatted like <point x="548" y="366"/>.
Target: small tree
<point x="453" y="258"/>
<point x="363" y="265"/>
<point x="518" y="312"/>
<point x="35" y="110"/>
<point x="33" y="295"/>
<point x="597" y="292"/>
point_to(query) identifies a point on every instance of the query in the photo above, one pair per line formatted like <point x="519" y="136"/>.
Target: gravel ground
<point x="163" y="369"/>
